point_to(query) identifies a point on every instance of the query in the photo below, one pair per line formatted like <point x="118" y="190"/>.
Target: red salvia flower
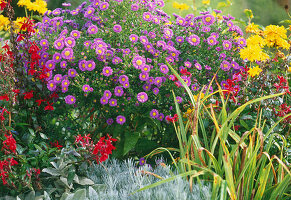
<point x="28" y="95"/>
<point x="9" y="143"/>
<point x="49" y="106"/>
<point x="4" y="97"/>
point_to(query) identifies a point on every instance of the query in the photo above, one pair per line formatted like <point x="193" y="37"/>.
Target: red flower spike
<point x="28" y="95"/>
<point x="49" y="106"/>
<point x="4" y="97"/>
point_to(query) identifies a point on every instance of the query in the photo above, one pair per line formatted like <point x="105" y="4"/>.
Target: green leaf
<point x="43" y="136"/>
<point x="31" y="131"/>
<point x="131" y="139"/>
<point x="30" y="196"/>
<point x="85" y="181"/>
<point x="46" y="196"/>
<point x="79" y="194"/>
<point x="71" y="176"/>
<point x="92" y="193"/>
<point x="51" y="171"/>
<point x="244" y="124"/>
<point x="287" y="21"/>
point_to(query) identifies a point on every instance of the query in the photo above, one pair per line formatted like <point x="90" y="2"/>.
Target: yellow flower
<point x="196" y="96"/>
<point x="180" y="6"/>
<point x="289" y="69"/>
<point x="254" y="71"/>
<point x="253" y="53"/>
<point x="252" y="28"/>
<point x="23" y="3"/>
<point x="256" y="40"/>
<point x="18" y="23"/>
<point x="206" y="2"/>
<point x="4" y="23"/>
<point x="276" y="36"/>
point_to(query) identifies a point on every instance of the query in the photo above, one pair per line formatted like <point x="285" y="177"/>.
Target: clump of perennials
<point x="113" y="56"/>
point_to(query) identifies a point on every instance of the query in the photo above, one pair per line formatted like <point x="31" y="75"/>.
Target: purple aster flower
<point x="179" y="99"/>
<point x="75" y="34"/>
<point x="134" y="7"/>
<point x="107" y="71"/>
<point x="58" y="78"/>
<point x="193" y="40"/>
<point x="90" y="65"/>
<point x="65" y="83"/>
<point x="100" y="51"/>
<point x="162" y="44"/>
<point x="93" y="29"/>
<point x="222" y="56"/>
<point x="120" y="119"/>
<point x="170" y="59"/>
<point x="187" y="64"/>
<point x="118" y="91"/>
<point x="225" y="66"/>
<point x="187" y="80"/>
<point x="70" y="99"/>
<point x="143" y="76"/>
<point x="147" y="16"/>
<point x="112" y="102"/>
<point x="117" y="28"/>
<point x="151" y="80"/>
<point x="235" y="65"/>
<point x="164" y="69"/>
<point x="82" y="65"/>
<point x="70" y="42"/>
<point x="44" y="43"/>
<point x="87" y="43"/>
<point x="142" y="97"/>
<point x="158" y="81"/>
<point x="146" y="87"/>
<point x="145" y="68"/>
<point x="189" y="17"/>
<point x="143" y="39"/>
<point x="211" y="41"/>
<point x="142" y="162"/>
<point x="50" y="64"/>
<point x="64" y="89"/>
<point x="103" y="6"/>
<point x="195" y="87"/>
<point x="59" y="44"/>
<point x="179" y="39"/>
<point x="123" y="79"/>
<point x="107" y="94"/>
<point x="156" y="91"/>
<point x="125" y="85"/>
<point x="51" y="85"/>
<point x="226" y="45"/>
<point x="241" y="42"/>
<point x="67" y="53"/>
<point x="154" y="113"/>
<point x="207" y="67"/>
<point x="126" y="51"/>
<point x="161" y="117"/>
<point x="72" y="73"/>
<point x="103" y="100"/>
<point x="116" y="60"/>
<point x="109" y="121"/>
<point x="138" y="62"/>
<point x="198" y="66"/>
<point x="133" y="38"/>
<point x="215" y="35"/>
<point x="224" y="84"/>
<point x="89" y="12"/>
<point x="208" y="19"/>
<point x="229" y="23"/>
<point x="57" y="57"/>
<point x="168" y="33"/>
<point x="217" y="11"/>
<point x="180" y="21"/>
<point x="86" y="88"/>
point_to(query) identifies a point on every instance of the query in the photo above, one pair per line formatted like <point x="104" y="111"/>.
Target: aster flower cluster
<point x="114" y="55"/>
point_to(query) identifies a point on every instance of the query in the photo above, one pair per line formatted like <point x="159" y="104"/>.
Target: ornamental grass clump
<point x="112" y="55"/>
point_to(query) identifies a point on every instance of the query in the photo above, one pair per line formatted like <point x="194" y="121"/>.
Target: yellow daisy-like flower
<point x="206" y="2"/>
<point x="252" y="28"/>
<point x="276" y="36"/>
<point x="18" y="23"/>
<point x="253" y="53"/>
<point x="254" y="71"/>
<point x="182" y="6"/>
<point x="196" y="96"/>
<point x="256" y="40"/>
<point x="22" y="3"/>
<point x="4" y="23"/>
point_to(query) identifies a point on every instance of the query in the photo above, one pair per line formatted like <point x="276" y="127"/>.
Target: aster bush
<point x="107" y="61"/>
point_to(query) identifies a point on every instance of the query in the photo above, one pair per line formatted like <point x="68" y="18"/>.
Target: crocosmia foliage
<point x="114" y="56"/>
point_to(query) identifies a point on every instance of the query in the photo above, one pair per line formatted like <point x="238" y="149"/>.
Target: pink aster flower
<point x="70" y="99"/>
<point x="142" y="97"/>
<point x="193" y="40"/>
<point x="93" y="29"/>
<point x="107" y="71"/>
<point x="59" y="44"/>
<point x="138" y="62"/>
<point x="67" y="53"/>
<point x="120" y="119"/>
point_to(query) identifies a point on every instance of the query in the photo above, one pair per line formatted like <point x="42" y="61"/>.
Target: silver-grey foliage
<point x="122" y="178"/>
